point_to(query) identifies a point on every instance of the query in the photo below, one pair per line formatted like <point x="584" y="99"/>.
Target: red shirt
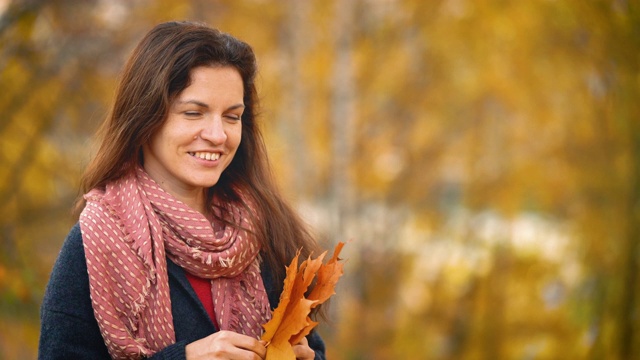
<point x="202" y="288"/>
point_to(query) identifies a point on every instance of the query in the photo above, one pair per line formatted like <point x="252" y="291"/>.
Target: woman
<point x="183" y="238"/>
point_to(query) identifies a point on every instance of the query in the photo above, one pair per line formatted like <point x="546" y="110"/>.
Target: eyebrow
<point x="201" y="104"/>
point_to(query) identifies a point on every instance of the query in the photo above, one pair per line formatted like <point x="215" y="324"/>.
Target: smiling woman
<point x="182" y="239"/>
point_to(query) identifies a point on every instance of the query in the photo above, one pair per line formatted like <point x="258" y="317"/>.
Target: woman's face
<point x="201" y="134"/>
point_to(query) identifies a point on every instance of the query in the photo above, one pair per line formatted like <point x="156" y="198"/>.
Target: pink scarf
<point x="126" y="230"/>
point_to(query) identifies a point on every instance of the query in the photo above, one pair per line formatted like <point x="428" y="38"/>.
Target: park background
<point x="481" y="158"/>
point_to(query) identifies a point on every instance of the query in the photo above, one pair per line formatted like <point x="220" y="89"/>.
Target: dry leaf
<point x="278" y="314"/>
<point x="290" y="321"/>
<point x="328" y="276"/>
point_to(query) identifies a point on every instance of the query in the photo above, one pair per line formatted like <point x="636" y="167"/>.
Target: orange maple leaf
<point x="290" y="321"/>
<point x="278" y="314"/>
<point x="328" y="276"/>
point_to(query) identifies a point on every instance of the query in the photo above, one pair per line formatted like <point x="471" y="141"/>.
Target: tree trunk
<point x="342" y="121"/>
<point x="295" y="99"/>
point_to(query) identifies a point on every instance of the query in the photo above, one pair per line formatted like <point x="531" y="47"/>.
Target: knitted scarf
<point x="129" y="229"/>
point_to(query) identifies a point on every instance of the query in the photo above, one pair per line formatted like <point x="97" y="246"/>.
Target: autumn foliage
<point x="468" y="127"/>
<point x="290" y="321"/>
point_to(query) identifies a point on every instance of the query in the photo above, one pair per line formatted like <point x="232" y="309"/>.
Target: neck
<point x="194" y="199"/>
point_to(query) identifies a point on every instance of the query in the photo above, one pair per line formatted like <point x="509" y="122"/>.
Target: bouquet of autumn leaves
<point x="290" y="321"/>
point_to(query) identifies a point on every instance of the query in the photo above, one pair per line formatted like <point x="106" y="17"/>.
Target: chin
<point x="209" y="183"/>
<point x="205" y="180"/>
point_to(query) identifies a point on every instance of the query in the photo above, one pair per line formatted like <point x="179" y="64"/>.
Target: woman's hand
<point x="303" y="351"/>
<point x="226" y="345"/>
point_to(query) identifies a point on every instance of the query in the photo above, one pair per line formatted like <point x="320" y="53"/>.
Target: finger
<point x="260" y="350"/>
<point x="303" y="341"/>
<point x="248" y="343"/>
<point x="303" y="351"/>
<point x="242" y="342"/>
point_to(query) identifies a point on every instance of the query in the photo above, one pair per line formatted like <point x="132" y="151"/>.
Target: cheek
<point x="176" y="138"/>
<point x="237" y="138"/>
<point x="151" y="147"/>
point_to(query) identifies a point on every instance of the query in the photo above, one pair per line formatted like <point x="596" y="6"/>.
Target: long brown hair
<point x="155" y="73"/>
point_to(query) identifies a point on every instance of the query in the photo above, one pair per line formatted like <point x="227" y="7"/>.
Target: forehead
<point x="218" y="71"/>
<point x="213" y="81"/>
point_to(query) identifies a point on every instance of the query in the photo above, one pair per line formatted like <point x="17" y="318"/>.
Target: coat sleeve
<point x="316" y="343"/>
<point x="69" y="329"/>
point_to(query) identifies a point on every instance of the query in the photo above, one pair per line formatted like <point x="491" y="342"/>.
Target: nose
<point x="214" y="131"/>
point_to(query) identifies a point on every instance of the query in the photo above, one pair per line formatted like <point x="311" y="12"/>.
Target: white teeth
<point x="206" y="155"/>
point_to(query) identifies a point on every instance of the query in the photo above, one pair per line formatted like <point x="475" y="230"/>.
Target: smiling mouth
<point x="206" y="155"/>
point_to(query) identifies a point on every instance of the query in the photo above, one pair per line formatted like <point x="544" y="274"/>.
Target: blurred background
<point x="482" y="159"/>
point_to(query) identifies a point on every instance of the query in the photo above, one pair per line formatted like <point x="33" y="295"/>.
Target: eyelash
<point x="195" y="113"/>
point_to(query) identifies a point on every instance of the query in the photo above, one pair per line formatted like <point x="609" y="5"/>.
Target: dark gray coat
<point x="69" y="329"/>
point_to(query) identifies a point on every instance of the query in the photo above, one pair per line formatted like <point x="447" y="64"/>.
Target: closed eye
<point x="233" y="116"/>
